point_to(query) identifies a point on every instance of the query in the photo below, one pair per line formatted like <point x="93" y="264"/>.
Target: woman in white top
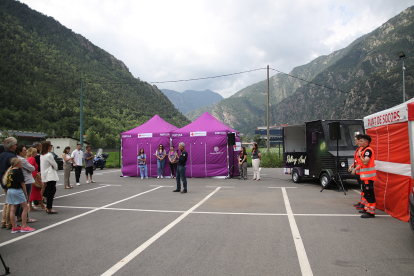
<point x="48" y="169"/>
<point x="67" y="166"/>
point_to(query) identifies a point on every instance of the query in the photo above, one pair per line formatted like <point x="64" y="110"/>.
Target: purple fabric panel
<point x="207" y="156"/>
<point x="130" y="149"/>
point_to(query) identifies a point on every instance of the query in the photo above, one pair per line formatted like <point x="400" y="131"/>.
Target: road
<point x="129" y="226"/>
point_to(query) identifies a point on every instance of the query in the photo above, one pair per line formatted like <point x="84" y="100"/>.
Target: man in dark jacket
<point x="182" y="161"/>
<point x="9" y="147"/>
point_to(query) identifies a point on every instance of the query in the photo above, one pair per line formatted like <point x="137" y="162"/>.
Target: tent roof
<point x="154" y="127"/>
<point x="206" y="124"/>
<point x="396" y="114"/>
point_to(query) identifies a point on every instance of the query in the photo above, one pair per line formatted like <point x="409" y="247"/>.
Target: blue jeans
<point x="160" y="167"/>
<point x="181" y="175"/>
<point x="142" y="169"/>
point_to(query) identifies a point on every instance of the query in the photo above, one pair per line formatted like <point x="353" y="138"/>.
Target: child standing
<point x="16" y="194"/>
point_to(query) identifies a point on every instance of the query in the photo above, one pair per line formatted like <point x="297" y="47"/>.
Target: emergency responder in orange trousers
<point x="368" y="175"/>
<point x="354" y="169"/>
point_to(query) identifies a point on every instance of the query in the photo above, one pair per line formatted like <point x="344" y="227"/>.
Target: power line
<point x="309" y="81"/>
<point x="210" y="77"/>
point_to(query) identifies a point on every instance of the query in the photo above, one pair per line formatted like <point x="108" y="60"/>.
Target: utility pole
<point x="268" y="138"/>
<point x="403" y="68"/>
<point x="81" y="115"/>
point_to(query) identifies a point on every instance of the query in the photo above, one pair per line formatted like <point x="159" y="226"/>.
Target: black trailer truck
<point x="308" y="150"/>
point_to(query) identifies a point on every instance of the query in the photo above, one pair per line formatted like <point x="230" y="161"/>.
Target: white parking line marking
<point x="81" y="192"/>
<point x="357" y="191"/>
<point x="161" y="186"/>
<point x="282" y="187"/>
<point x="143" y="246"/>
<point x="72" y="218"/>
<point x="229" y="187"/>
<point x="300" y="248"/>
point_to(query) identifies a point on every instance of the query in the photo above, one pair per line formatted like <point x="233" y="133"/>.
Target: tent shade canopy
<point x="147" y="136"/>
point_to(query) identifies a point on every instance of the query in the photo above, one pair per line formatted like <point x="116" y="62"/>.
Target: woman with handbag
<point x="48" y="169"/>
<point x="37" y="185"/>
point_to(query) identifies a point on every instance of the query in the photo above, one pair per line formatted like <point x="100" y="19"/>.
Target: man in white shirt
<point x="77" y="155"/>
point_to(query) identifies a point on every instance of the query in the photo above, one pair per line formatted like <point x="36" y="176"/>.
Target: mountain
<point x="190" y="99"/>
<point x="42" y="64"/>
<point x="369" y="74"/>
<point x="243" y="110"/>
<point x="367" y="71"/>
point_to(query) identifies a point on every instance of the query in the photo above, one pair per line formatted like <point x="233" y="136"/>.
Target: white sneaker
<point x="146" y="177"/>
<point x="92" y="181"/>
<point x="87" y="182"/>
<point x="78" y="184"/>
<point x="142" y="177"/>
<point x="162" y="176"/>
<point x="158" y="176"/>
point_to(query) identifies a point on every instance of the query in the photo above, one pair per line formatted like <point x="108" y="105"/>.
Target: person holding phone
<point x="173" y="157"/>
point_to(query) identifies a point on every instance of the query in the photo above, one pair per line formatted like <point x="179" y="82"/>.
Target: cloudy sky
<point x="163" y="40"/>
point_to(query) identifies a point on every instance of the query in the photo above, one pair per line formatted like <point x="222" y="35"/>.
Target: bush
<point x="269" y="160"/>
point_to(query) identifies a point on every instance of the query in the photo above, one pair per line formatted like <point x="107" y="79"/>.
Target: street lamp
<point x="402" y="56"/>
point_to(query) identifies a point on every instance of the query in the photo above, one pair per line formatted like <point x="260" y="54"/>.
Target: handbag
<point x="38" y="181"/>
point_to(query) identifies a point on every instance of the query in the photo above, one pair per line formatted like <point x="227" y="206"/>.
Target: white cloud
<point x="163" y="40"/>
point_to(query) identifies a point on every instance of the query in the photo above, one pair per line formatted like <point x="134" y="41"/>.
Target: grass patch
<point x="269" y="160"/>
<point x="113" y="160"/>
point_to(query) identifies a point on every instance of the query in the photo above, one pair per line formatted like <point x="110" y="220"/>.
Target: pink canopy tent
<point x="148" y="136"/>
<point x="208" y="151"/>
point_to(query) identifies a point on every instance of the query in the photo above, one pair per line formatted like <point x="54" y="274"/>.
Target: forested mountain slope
<point x="42" y="63"/>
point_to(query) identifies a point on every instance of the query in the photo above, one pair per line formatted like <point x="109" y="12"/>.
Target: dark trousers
<point x="78" y="170"/>
<point x="50" y="191"/>
<point x="181" y="175"/>
<point x="173" y="167"/>
<point x="19" y="208"/>
<point x="369" y="191"/>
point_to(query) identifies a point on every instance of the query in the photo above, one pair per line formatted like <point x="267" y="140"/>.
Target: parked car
<point x="59" y="160"/>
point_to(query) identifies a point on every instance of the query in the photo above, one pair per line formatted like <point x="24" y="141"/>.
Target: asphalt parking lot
<point x="129" y="226"/>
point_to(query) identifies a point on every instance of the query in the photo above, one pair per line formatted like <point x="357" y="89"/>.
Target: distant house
<point x="275" y="134"/>
<point x="59" y="143"/>
<point x="25" y="137"/>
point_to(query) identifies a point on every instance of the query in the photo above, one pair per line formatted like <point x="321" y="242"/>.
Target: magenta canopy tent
<point x="148" y="136"/>
<point x="209" y="154"/>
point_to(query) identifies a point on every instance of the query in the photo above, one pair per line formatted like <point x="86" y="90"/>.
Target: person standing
<point x="354" y="170"/>
<point x="17" y="195"/>
<point x="36" y="193"/>
<point x="161" y="154"/>
<point x="9" y="145"/>
<point x="88" y="156"/>
<point x="243" y="164"/>
<point x="77" y="155"/>
<point x="173" y="156"/>
<point x="49" y="175"/>
<point x="368" y="175"/>
<point x="142" y="163"/>
<point x="67" y="164"/>
<point x="38" y="146"/>
<point x="181" y="168"/>
<point x="27" y="170"/>
<point x="256" y="158"/>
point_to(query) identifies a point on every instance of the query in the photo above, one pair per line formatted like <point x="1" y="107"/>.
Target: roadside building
<point x="24" y="137"/>
<point x="275" y="135"/>
<point x="61" y="142"/>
